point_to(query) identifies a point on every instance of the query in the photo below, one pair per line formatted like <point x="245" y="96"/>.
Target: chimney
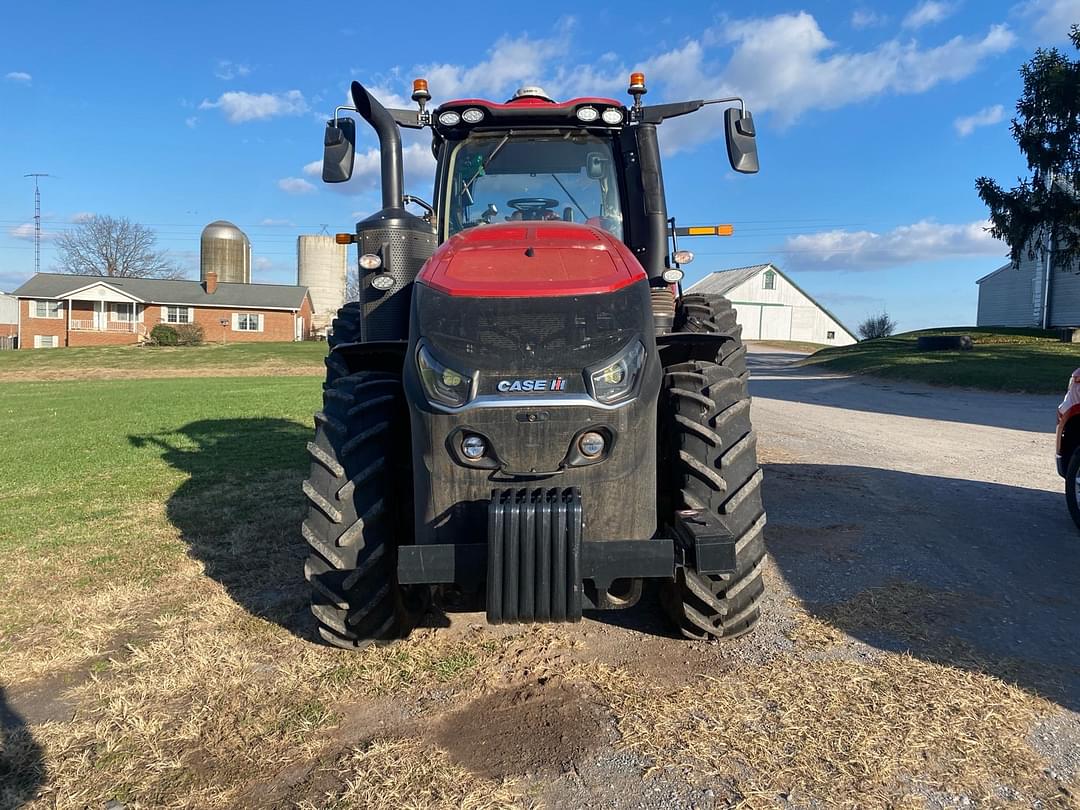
<point x="210" y="284"/>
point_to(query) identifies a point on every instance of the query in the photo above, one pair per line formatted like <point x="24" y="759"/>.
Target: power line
<point x="37" y="218"/>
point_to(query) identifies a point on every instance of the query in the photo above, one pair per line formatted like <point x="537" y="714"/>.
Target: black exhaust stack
<point x="403" y="241"/>
<point x="382" y="122"/>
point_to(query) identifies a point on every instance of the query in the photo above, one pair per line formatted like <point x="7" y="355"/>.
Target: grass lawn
<point x="135" y="362"/>
<point x="1026" y="360"/>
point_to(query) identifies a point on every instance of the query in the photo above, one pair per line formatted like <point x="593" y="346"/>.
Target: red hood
<point x="531" y="259"/>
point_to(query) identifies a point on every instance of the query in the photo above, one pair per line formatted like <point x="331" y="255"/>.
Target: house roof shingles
<point x="169" y="291"/>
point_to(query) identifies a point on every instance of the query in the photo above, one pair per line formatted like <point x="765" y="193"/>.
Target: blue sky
<point x="874" y="119"/>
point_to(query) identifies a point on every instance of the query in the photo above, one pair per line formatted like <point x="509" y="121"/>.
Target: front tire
<point x="1072" y="486"/>
<point x="344" y="329"/>
<point x="709" y="453"/>
<point x="357" y="515"/>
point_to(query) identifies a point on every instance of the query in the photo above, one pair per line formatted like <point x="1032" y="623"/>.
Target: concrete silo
<point x="225" y="249"/>
<point x="321" y="263"/>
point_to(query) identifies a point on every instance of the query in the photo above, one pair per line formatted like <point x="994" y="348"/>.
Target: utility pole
<point x="37" y="219"/>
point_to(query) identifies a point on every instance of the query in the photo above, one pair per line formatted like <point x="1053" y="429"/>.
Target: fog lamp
<point x="382" y="282"/>
<point x="370" y="261"/>
<point x="591" y="444"/>
<point x="473" y="447"/>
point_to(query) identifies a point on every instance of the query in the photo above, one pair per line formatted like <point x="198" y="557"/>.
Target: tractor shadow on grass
<point x="983" y="577"/>
<point x="22" y="765"/>
<point x="240" y="510"/>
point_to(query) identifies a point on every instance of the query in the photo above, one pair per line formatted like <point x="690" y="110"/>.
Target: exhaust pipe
<point x="369" y="108"/>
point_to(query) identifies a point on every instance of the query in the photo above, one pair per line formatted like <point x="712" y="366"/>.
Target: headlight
<point x="617" y="379"/>
<point x="442" y="384"/>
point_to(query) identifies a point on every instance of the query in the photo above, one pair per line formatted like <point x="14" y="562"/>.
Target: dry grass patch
<point x="219" y="702"/>
<point x="410" y="774"/>
<point x="843" y="733"/>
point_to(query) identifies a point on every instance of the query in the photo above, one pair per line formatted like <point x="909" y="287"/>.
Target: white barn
<point x="770" y="306"/>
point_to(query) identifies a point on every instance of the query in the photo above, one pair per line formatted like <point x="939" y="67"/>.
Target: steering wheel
<point x="532" y="208"/>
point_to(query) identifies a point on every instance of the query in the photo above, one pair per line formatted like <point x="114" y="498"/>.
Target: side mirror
<point x="594" y="165"/>
<point x="741" y="142"/>
<point x="339" y="150"/>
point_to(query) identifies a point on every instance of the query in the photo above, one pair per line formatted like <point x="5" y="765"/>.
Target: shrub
<point x="877" y="326"/>
<point x="189" y="334"/>
<point x="164" y="335"/>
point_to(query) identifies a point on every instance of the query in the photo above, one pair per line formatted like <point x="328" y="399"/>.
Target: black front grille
<point x="532" y="334"/>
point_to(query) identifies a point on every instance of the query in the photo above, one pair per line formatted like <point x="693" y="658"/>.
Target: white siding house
<point x="1013" y="296"/>
<point x="770" y="306"/>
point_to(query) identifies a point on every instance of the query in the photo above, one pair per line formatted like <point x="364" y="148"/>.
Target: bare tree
<point x="114" y="246"/>
<point x="352" y="283"/>
<point x="877" y="326"/>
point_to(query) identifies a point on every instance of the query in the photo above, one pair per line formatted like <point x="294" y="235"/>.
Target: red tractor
<point x="522" y="410"/>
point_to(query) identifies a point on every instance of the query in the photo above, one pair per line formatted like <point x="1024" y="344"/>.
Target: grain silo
<point x="321" y="263"/>
<point x="225" y="249"/>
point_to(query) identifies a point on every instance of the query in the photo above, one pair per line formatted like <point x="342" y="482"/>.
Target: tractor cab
<point x="522" y="406"/>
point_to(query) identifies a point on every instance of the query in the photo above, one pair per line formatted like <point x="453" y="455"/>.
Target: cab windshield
<point x="508" y="177"/>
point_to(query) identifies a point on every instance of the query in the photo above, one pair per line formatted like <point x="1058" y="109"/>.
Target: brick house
<point x="57" y="309"/>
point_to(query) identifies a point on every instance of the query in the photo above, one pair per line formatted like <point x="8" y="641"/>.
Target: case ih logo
<point x="554" y="384"/>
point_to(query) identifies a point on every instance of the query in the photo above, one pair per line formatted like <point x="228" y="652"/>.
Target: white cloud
<point x="25" y="231"/>
<point x="263" y="263"/>
<point x="82" y="216"/>
<point x="865" y="18"/>
<point x="276" y="223"/>
<point x="227" y="70"/>
<point x="927" y="12"/>
<point x="419" y="169"/>
<point x="907" y="244"/>
<point x="239" y="107"/>
<point x="987" y="116"/>
<point x="19" y="76"/>
<point x="191" y="121"/>
<point x="784" y="64"/>
<point x="511" y="62"/>
<point x="1050" y="20"/>
<point x="295" y="185"/>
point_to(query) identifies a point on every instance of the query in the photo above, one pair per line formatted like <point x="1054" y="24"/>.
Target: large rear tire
<point x="357" y="515"/>
<point x="709" y="461"/>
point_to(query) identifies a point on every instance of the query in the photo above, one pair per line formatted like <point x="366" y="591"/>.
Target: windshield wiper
<point x="571" y="196"/>
<point x="485" y="163"/>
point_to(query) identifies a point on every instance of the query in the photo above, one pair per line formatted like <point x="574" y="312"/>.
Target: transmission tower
<point x="37" y="219"/>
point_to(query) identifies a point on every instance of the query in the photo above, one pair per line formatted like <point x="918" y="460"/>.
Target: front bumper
<point x="536" y="566"/>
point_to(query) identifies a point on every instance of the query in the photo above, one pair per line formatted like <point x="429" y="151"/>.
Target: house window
<point x="830" y="335"/>
<point x="48" y="309"/>
<point x="176" y="314"/>
<point x="123" y="313"/>
<point x="247" y="322"/>
<point x="45" y="341"/>
<point x="769" y="280"/>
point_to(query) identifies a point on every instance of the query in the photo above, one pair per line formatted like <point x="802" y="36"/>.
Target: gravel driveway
<point x="870" y="482"/>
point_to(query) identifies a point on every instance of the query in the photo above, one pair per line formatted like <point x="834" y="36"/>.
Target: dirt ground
<point x="918" y="650"/>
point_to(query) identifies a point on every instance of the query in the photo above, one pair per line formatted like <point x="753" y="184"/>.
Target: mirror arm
<point x="742" y="104"/>
<point x="659" y="113"/>
<point x="345" y="107"/>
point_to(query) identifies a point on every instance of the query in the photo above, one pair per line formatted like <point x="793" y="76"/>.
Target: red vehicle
<point x="1068" y="445"/>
